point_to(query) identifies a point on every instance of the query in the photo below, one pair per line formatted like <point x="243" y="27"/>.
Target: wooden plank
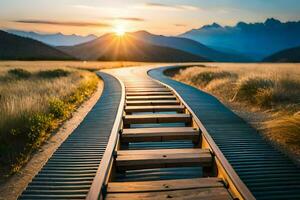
<point x="163" y="151"/>
<point x="148" y="93"/>
<point x="162" y="89"/>
<point x="177" y="108"/>
<point x="152" y="102"/>
<point x="143" y="85"/>
<point x="162" y="158"/>
<point x="217" y="193"/>
<point x="139" y="83"/>
<point x="163" y="185"/>
<point x="156" y="118"/>
<point x="170" y="97"/>
<point x="159" y="134"/>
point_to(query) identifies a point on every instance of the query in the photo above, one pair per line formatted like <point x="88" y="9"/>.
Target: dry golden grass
<point x="271" y="88"/>
<point x="36" y="97"/>
<point x="31" y="95"/>
<point x="33" y="102"/>
<point x="90" y="65"/>
<point x="285" y="130"/>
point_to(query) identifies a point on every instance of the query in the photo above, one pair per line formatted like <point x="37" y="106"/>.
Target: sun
<point x="120" y="31"/>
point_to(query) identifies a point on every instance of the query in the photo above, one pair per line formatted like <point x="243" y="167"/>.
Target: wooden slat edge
<point x="102" y="171"/>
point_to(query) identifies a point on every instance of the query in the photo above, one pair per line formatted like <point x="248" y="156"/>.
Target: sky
<point x="168" y="17"/>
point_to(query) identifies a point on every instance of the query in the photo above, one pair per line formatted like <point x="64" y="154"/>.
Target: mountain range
<point x="14" y="47"/>
<point x="271" y="41"/>
<point x="57" y="39"/>
<point x="190" y="46"/>
<point x="257" y="40"/>
<point x="141" y="39"/>
<point x="110" y="47"/>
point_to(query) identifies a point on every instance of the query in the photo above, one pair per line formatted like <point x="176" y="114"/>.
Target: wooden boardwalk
<point x="146" y="140"/>
<point x="160" y="151"/>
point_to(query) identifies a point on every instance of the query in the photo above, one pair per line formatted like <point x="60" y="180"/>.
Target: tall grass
<point x="33" y="102"/>
<point x="274" y="88"/>
<point x="285" y="130"/>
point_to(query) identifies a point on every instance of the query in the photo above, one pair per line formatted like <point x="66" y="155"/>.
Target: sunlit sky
<point x="169" y="17"/>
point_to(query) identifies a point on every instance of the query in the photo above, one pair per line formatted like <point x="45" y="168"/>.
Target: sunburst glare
<point x="120" y="30"/>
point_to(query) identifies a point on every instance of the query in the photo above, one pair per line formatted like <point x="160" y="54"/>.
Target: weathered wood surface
<point x="162" y="89"/>
<point x="156" y="118"/>
<point x="143" y="159"/>
<point x="148" y="97"/>
<point x="188" y="194"/>
<point x="177" y="108"/>
<point x="163" y="185"/>
<point x="148" y="93"/>
<point x="159" y="134"/>
<point x="152" y="102"/>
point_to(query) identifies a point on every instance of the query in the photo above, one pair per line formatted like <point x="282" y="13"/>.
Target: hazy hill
<point x="287" y="55"/>
<point x="128" y="48"/>
<point x="57" y="39"/>
<point x="190" y="46"/>
<point x="14" y="47"/>
<point x="255" y="39"/>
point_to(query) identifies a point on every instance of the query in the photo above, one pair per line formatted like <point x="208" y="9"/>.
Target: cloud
<point x="182" y="25"/>
<point x="64" y="23"/>
<point x="131" y="19"/>
<point x="96" y="8"/>
<point x="170" y="7"/>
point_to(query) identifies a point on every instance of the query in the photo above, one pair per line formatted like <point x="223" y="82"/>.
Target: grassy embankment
<point x="35" y="98"/>
<point x="272" y="89"/>
<point x="33" y="103"/>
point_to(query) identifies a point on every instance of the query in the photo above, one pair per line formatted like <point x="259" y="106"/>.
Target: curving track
<point x="146" y="139"/>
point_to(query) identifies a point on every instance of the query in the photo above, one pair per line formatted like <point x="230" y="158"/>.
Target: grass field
<point x="35" y="98"/>
<point x="272" y="89"/>
<point x="91" y="65"/>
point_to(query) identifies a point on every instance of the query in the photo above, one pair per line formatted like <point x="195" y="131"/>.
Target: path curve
<point x="268" y="173"/>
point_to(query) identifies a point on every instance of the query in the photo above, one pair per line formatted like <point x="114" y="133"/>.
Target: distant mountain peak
<point x="213" y="25"/>
<point x="255" y="39"/>
<point x="272" y="22"/>
<point x="142" y="32"/>
<point x="241" y="24"/>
